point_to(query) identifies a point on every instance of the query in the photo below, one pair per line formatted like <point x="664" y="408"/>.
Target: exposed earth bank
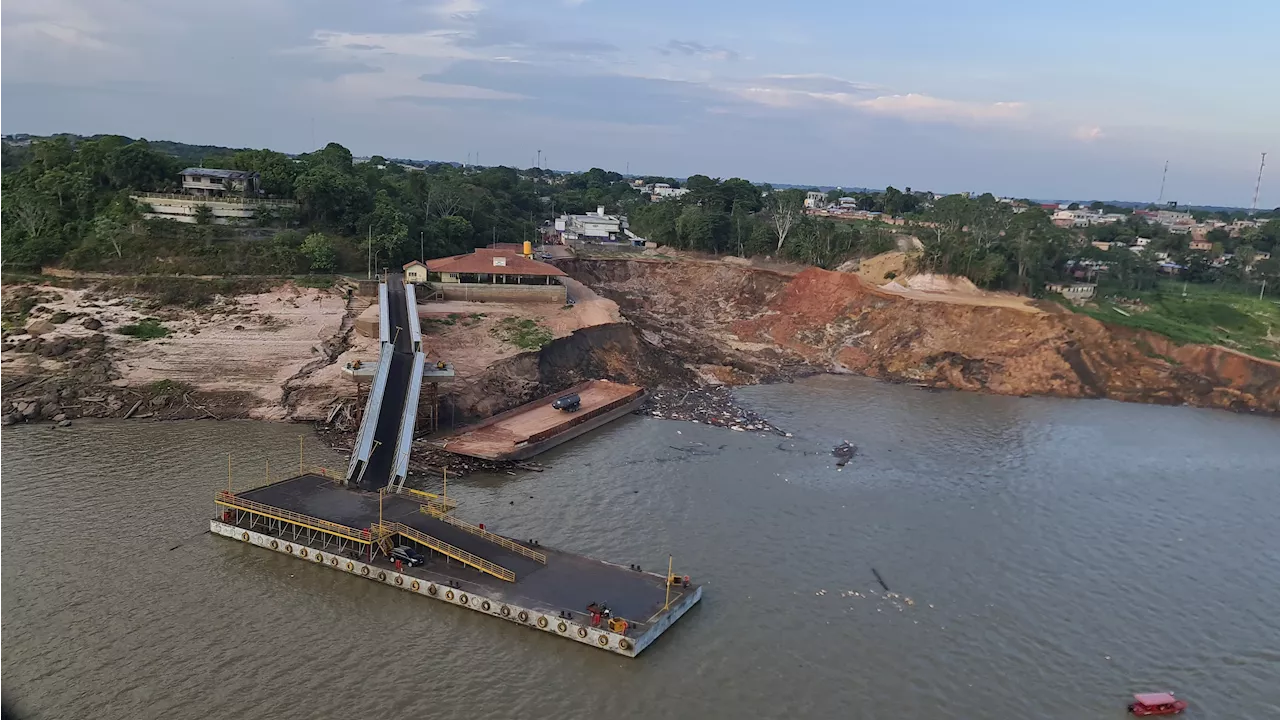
<point x="757" y="325"/>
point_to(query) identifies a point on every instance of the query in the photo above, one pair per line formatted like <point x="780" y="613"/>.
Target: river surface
<point x="1058" y="556"/>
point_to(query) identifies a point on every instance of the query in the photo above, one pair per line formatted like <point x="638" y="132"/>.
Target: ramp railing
<point x="444" y="548"/>
<point x="480" y="532"/>
<point x="226" y="499"/>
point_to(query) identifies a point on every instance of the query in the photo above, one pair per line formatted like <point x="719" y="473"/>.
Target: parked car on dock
<point x="407" y="555"/>
<point x="567" y="403"/>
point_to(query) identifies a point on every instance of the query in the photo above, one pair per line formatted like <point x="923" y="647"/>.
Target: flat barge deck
<point x="523" y="432"/>
<point x="313" y="518"/>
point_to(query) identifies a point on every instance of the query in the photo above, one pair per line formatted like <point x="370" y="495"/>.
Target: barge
<point x="316" y="518"/>
<point x="532" y="428"/>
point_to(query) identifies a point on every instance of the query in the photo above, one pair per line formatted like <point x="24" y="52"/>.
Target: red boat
<point x="1156" y="704"/>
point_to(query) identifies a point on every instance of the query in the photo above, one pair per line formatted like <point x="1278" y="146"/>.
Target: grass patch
<point x="145" y="329"/>
<point x="522" y="332"/>
<point x="1206" y="316"/>
<point x="318" y="282"/>
<point x="169" y="387"/>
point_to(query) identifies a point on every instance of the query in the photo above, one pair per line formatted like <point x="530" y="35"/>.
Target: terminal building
<point x="499" y="274"/>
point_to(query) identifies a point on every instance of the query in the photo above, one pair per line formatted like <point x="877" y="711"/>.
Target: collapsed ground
<point x="659" y="322"/>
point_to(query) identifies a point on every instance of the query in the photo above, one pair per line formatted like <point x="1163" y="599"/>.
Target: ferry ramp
<point x="378" y="445"/>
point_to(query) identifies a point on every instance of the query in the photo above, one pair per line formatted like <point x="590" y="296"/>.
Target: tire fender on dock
<point x="414" y="586"/>
<point x="431" y="590"/>
<point x="561" y="626"/>
<point x="582" y="632"/>
<point x="542" y="623"/>
<point x="524" y="616"/>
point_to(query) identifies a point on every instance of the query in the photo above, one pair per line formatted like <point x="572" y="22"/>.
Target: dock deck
<point x="566" y="583"/>
<point x="525" y="431"/>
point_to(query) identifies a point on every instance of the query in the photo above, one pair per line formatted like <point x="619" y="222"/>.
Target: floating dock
<point x="523" y="432"/>
<point x="316" y="518"/>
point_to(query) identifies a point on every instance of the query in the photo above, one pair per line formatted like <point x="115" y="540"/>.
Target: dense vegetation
<point x="66" y="201"/>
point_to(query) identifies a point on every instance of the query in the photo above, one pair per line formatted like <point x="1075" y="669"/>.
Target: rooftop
<point x="493" y="261"/>
<point x="217" y="172"/>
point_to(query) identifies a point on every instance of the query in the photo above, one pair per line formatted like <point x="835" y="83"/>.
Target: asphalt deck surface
<point x="387" y="432"/>
<point x="567" y="581"/>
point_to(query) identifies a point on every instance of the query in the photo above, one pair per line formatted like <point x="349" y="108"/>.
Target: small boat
<point x="1156" y="704"/>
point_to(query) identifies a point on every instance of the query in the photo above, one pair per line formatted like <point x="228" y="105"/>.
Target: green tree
<point x="318" y="249"/>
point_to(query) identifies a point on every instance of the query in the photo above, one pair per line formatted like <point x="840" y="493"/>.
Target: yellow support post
<point x="667" y="606"/>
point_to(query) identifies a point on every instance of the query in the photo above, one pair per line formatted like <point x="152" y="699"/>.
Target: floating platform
<point x="523" y="432"/>
<point x="316" y="519"/>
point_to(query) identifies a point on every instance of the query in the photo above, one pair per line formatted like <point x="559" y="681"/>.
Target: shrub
<point x="145" y="329"/>
<point x="522" y="332"/>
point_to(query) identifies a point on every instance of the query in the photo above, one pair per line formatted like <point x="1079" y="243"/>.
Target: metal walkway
<point x="381" y="454"/>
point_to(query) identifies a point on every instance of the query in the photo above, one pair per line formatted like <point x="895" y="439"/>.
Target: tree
<point x="204" y="215"/>
<point x="784" y="212"/>
<point x="318" y="249"/>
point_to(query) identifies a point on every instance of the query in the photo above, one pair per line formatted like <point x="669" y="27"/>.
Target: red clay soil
<point x="833" y="321"/>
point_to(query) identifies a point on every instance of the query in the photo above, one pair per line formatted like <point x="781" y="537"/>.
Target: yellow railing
<point x="226" y="499"/>
<point x="439" y="505"/>
<point x="333" y="475"/>
<point x="445" y="548"/>
<point x="495" y="539"/>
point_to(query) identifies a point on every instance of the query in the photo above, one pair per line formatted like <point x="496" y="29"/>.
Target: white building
<point x="597" y="227"/>
<point x="661" y="191"/>
<point x="1075" y="218"/>
<point x="815" y="199"/>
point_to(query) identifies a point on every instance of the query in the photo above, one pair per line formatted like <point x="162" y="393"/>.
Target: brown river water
<point x="1058" y="555"/>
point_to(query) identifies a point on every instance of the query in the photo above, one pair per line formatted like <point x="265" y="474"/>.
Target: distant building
<point x="660" y="191"/>
<point x="230" y="197"/>
<point x="215" y="182"/>
<point x="1075" y="292"/>
<point x="815" y="199"/>
<point x="597" y="227"/>
<point x="1201" y="245"/>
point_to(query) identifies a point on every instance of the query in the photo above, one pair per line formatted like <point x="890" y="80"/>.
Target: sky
<point x="1082" y="101"/>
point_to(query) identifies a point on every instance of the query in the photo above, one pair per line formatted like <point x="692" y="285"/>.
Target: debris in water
<point x="711" y="405"/>
<point x="844" y="452"/>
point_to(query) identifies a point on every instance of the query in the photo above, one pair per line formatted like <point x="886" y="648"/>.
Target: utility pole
<point x="1258" y="186"/>
<point x="539" y="159"/>
<point x="422" y="256"/>
<point x="370" y="264"/>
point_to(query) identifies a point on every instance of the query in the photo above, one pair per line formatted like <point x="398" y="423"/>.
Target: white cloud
<point x="1088" y="133"/>
<point x="926" y="108"/>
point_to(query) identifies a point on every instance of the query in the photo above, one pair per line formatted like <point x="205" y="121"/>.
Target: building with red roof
<point x="491" y="273"/>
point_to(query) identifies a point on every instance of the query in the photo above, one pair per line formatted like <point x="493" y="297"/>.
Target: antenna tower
<point x="1257" y="187"/>
<point x="1162" y="179"/>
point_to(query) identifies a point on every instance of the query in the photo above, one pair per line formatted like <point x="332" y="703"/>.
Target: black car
<point x="407" y="555"/>
<point x="568" y="403"/>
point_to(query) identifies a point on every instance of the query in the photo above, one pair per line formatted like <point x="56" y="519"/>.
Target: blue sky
<point x="1025" y="99"/>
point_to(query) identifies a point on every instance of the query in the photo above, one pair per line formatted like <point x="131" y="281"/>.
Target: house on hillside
<point x="216" y="182"/>
<point x="213" y="195"/>
<point x="496" y="274"/>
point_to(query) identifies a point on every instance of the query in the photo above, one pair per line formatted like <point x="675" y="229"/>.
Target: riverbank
<point x="757" y="325"/>
<point x="674" y="326"/>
